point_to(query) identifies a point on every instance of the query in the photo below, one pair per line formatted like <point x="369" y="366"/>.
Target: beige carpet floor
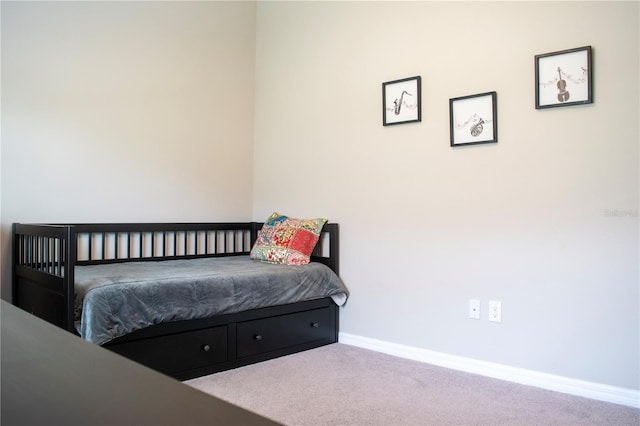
<point x="345" y="385"/>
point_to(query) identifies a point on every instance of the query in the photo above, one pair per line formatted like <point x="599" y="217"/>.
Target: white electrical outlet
<point x="474" y="309"/>
<point x="495" y="311"/>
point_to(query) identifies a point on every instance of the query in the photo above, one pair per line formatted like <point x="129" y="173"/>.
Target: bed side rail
<point x="125" y="242"/>
<point x="42" y="267"/>
<point x="121" y="242"/>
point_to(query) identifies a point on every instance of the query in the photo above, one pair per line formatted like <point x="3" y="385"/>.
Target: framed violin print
<point x="401" y="101"/>
<point x="473" y="119"/>
<point x="564" y="78"/>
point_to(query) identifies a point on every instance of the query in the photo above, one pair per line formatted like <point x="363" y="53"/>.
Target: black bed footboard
<point x="43" y="268"/>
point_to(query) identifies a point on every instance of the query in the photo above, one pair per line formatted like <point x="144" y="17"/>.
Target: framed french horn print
<point x="564" y="78"/>
<point x="473" y="119"/>
<point x="401" y="101"/>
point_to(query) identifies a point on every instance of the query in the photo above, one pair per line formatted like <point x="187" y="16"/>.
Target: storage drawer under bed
<point x="270" y="334"/>
<point x="178" y="352"/>
<point x="232" y="340"/>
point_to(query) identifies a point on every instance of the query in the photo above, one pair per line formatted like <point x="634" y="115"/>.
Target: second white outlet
<point x="495" y="311"/>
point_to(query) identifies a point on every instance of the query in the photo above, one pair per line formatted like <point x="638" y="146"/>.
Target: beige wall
<point x="126" y="111"/>
<point x="545" y="221"/>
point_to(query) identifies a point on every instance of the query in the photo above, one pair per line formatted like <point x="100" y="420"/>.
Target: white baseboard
<point x="616" y="395"/>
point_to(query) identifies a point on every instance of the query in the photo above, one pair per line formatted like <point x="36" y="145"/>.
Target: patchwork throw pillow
<point x="286" y="240"/>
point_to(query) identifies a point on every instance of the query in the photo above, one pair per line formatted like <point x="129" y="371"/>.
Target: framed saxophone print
<point x="401" y="101"/>
<point x="473" y="119"/>
<point x="564" y="78"/>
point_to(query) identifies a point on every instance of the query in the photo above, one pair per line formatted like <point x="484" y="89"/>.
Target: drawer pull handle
<point x="206" y="348"/>
<point x="315" y="325"/>
<point x="258" y="337"/>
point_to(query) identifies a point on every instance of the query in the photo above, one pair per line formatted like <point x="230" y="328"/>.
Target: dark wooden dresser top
<point x="51" y="377"/>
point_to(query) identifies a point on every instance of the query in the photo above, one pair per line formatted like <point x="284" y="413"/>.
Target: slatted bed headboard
<point x="45" y="255"/>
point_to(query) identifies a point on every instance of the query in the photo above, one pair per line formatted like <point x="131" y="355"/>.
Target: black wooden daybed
<point x="50" y="260"/>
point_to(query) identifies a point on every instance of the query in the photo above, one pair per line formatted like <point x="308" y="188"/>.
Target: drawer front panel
<point x="264" y="335"/>
<point x="178" y="352"/>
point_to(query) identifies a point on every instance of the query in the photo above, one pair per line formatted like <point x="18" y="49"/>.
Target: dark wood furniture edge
<point x="51" y="377"/>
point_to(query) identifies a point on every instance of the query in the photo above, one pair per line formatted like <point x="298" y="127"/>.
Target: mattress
<point x="113" y="300"/>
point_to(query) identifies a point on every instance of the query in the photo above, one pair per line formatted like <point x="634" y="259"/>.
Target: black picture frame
<point x="402" y="101"/>
<point x="473" y="119"/>
<point x="564" y="78"/>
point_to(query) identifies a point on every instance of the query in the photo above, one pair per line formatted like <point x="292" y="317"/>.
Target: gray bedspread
<point x="115" y="299"/>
